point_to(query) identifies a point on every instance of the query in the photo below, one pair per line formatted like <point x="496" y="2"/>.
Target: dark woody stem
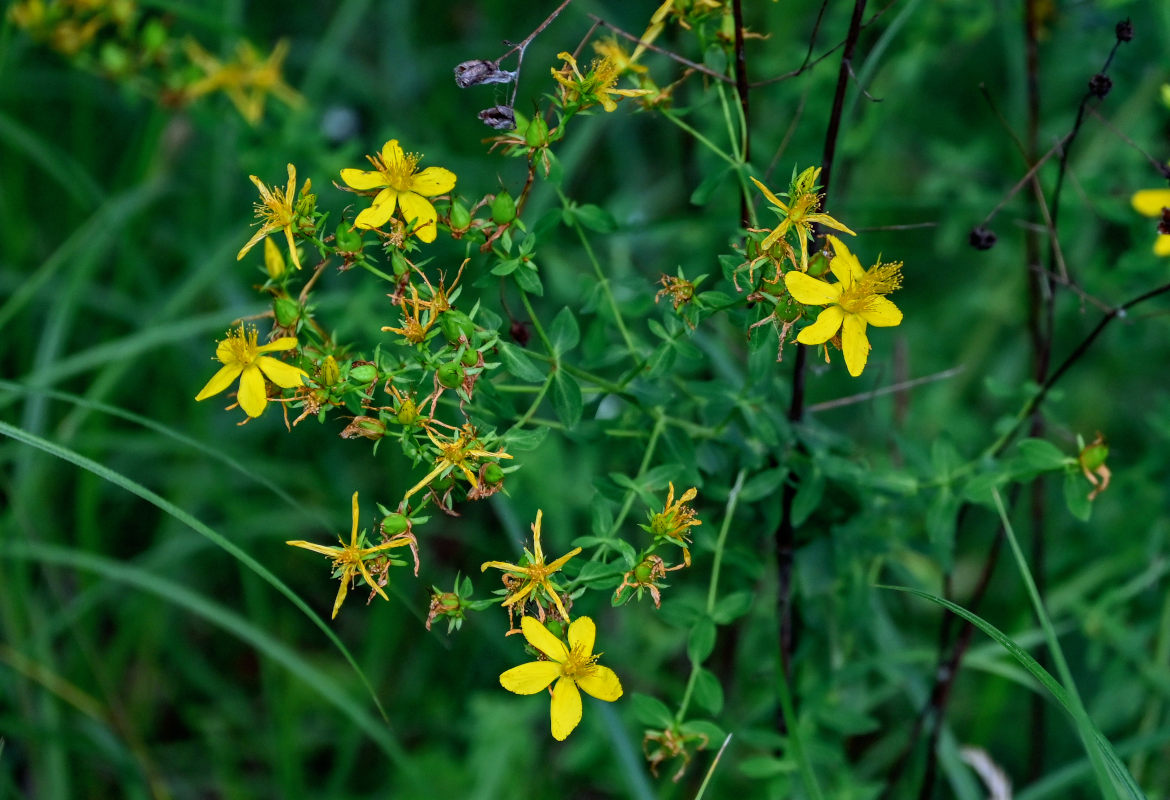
<point x="785" y="535"/>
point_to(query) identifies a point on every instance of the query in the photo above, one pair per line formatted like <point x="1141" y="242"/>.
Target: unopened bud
<point x="273" y="259"/>
<point x="1100" y="84"/>
<point x="1124" y="30"/>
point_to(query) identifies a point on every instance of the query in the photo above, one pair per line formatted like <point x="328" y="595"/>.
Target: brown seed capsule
<point x="502" y="118"/>
<point x="478" y="70"/>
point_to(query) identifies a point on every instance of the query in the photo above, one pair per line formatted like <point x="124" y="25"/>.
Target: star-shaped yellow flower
<point x="247" y="81"/>
<point x="535" y="574"/>
<point x="850" y="304"/>
<point x="800" y="213"/>
<point x="242" y="357"/>
<point x="595" y="87"/>
<point x="350" y="559"/>
<point x="1155" y="203"/>
<point x="277" y="209"/>
<point x="395" y="174"/>
<point x="573" y="668"/>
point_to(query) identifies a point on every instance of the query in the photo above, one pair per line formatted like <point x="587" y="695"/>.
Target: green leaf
<point x="1095" y="742"/>
<point x="701" y="641"/>
<point x="595" y="218"/>
<point x="808" y="496"/>
<point x="1076" y="495"/>
<point x="528" y="280"/>
<point x="1039" y="455"/>
<point x="563" y="332"/>
<point x="761" y="767"/>
<point x="566" y="397"/>
<point x="708" y="691"/>
<point x="651" y="711"/>
<point x="704" y="190"/>
<point x="763" y="484"/>
<point x="732" y="607"/>
<point x="517" y="362"/>
<point x="525" y="439"/>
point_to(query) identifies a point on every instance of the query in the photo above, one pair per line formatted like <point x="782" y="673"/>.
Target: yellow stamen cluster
<point x="879" y="280"/>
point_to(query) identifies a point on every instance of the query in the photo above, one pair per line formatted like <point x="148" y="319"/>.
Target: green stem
<point x="536" y="323"/>
<point x="703" y="140"/>
<point x="603" y="280"/>
<point x="536" y="401"/>
<point x="713" y="586"/>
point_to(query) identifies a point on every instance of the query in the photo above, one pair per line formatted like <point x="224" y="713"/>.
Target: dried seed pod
<point x="502" y="118"/>
<point x="478" y="70"/>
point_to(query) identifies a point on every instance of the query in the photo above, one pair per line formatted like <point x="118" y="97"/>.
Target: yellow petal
<point x="565" y="709"/>
<point x="225" y="350"/>
<point x="530" y="678"/>
<point x="1150" y="202"/>
<point x="292" y="247"/>
<point x="539" y="637"/>
<point x="854" y="344"/>
<point x="283" y="374"/>
<point x="252" y="395"/>
<point x="220" y="381"/>
<point x="380" y="212"/>
<point x="827" y="324"/>
<point x="773" y="199"/>
<point x="392" y="155"/>
<point x="1162" y="245"/>
<point x="602" y="683"/>
<point x="283" y="343"/>
<point x="363" y="180"/>
<point x="809" y="290"/>
<point x="418" y="208"/>
<point x="844" y="264"/>
<point x="881" y="313"/>
<point x="432" y="181"/>
<point x="316" y="548"/>
<point x="341" y="592"/>
<point x="264" y="230"/>
<point x="582" y="633"/>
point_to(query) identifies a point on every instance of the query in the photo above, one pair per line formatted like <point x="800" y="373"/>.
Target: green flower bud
<point x="363" y="373"/>
<point x="503" y="209"/>
<point x="287" y="311"/>
<point x="450" y="375"/>
<point x="1094" y="455"/>
<point x="555" y="627"/>
<point x="818" y="265"/>
<point x="348" y="238"/>
<point x="643" y="571"/>
<point x="469" y="358"/>
<point x="787" y="309"/>
<point x="395" y="524"/>
<point x="330" y="372"/>
<point x="454" y="324"/>
<point x="536" y="134"/>
<point x="493" y="473"/>
<point x="460" y="216"/>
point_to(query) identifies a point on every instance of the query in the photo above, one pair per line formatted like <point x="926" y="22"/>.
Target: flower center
<point x="579" y="664"/>
<point x="400" y="176"/>
<point x="879" y="280"/>
<point x="242" y="345"/>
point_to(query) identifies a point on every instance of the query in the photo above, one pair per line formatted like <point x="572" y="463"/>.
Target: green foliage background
<point x="138" y="658"/>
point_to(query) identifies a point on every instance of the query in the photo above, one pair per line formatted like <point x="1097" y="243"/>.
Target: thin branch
<point x="891" y="389"/>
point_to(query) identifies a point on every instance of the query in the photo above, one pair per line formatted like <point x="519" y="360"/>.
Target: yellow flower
<point x="454" y="455"/>
<point x="241" y="357"/>
<point x="247" y="81"/>
<point x="350" y="559"/>
<point x="674" y="519"/>
<point x="534" y="575"/>
<point x="1154" y="203"/>
<point x="800" y="213"/>
<point x="395" y="174"/>
<point x="850" y="304"/>
<point x="277" y="209"/>
<point x="573" y="667"/>
<point x="596" y="87"/>
<point x="609" y="48"/>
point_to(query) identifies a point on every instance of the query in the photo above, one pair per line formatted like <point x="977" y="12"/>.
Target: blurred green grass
<point x="139" y="660"/>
